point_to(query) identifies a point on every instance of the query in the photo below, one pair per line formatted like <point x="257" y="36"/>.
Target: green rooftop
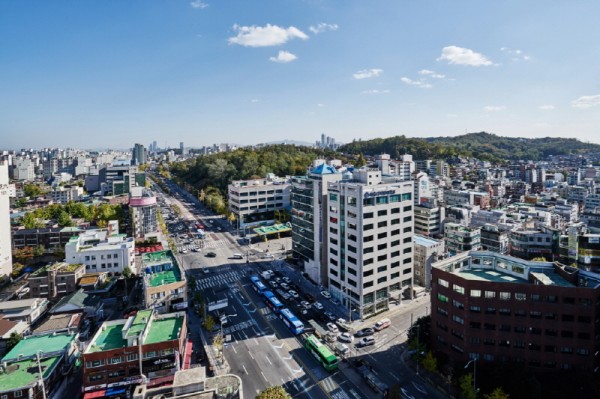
<point x="157" y="257"/>
<point x="490" y="275"/>
<point x="31" y="345"/>
<point x="164" y="330"/>
<point x="25" y="373"/>
<point x="165" y="277"/>
<point x="110" y="338"/>
<point x="276" y="228"/>
<point x="139" y="323"/>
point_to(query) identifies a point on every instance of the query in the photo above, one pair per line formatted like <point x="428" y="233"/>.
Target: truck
<point x="267" y="274"/>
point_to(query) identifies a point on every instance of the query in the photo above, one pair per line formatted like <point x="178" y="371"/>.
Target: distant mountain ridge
<point x="482" y="145"/>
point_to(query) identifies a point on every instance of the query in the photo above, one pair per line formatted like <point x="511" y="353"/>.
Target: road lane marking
<point x="245" y="369"/>
<point x="269" y="360"/>
<point x="264" y="376"/>
<point x="250" y="353"/>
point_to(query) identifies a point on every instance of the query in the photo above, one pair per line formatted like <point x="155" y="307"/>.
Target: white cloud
<point x="463" y="56"/>
<point x="198" y="4"/>
<point x="494" y="108"/>
<point x="586" y="101"/>
<point x="517" y="55"/>
<point x="367" y="73"/>
<point x="322" y="27"/>
<point x="376" y="91"/>
<point x="264" y="36"/>
<point x="255" y="100"/>
<point x="546" y="107"/>
<point x="419" y="83"/>
<point x="431" y="74"/>
<point x="283" y="57"/>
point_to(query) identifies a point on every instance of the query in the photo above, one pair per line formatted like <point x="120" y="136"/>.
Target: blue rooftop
<point x="323" y="169"/>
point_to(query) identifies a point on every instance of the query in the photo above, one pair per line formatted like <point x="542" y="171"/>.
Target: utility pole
<point x="418" y="349"/>
<point x="41" y="375"/>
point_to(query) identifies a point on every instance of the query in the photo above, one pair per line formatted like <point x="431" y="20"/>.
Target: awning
<point x="96" y="394"/>
<point x="114" y="391"/>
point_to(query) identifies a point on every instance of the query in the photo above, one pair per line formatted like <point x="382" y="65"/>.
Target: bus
<point x="257" y="284"/>
<point x="272" y="302"/>
<point x="291" y="321"/>
<point x="322" y="353"/>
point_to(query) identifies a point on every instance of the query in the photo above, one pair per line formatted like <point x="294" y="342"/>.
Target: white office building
<point x="5" y="235"/>
<point x="101" y="252"/>
<point x="369" y="240"/>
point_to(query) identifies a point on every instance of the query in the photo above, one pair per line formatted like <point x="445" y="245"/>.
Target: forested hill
<point x="485" y="146"/>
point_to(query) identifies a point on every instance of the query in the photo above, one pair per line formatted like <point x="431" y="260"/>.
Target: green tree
<point x="13" y="340"/>
<point x="64" y="219"/>
<point x="127" y="273"/>
<point x="39" y="250"/>
<point x="16" y="270"/>
<point x="422" y="327"/>
<point x="32" y="190"/>
<point x="209" y="323"/>
<point x="231" y="218"/>
<point x="360" y="161"/>
<point x="465" y="384"/>
<point x="21" y="203"/>
<point x="274" y="392"/>
<point x="31" y="222"/>
<point x="429" y="362"/>
<point x="497" y="393"/>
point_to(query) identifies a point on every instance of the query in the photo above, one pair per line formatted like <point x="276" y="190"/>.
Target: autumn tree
<point x="497" y="393"/>
<point x="274" y="392"/>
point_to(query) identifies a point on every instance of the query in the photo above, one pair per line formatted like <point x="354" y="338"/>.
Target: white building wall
<point x="5" y="236"/>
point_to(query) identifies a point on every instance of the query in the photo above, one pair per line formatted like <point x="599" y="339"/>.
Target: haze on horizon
<point x="109" y="74"/>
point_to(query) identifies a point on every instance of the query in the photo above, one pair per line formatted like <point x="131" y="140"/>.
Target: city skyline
<point x="97" y="75"/>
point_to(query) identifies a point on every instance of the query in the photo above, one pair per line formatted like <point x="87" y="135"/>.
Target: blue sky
<point x="97" y="74"/>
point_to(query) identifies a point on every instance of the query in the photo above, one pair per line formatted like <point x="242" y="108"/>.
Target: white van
<point x="381" y="324"/>
<point x="237" y="256"/>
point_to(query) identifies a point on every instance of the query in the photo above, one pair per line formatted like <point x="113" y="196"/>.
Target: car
<point x="285" y="286"/>
<point x="332" y="328"/>
<point x="346" y="337"/>
<point x="303" y="311"/>
<point x="326" y="294"/>
<point x="305" y="304"/>
<point x="309" y="298"/>
<point x="196" y="249"/>
<point x="381" y="324"/>
<point x="318" y="306"/>
<point x="364" y="332"/>
<point x="278" y="279"/>
<point x="205" y="270"/>
<point x="335" y="301"/>
<point x="294" y="294"/>
<point x="273" y="284"/>
<point x="185" y="251"/>
<point x="287" y="280"/>
<point x="210" y="255"/>
<point x="329" y="316"/>
<point x="366" y="341"/>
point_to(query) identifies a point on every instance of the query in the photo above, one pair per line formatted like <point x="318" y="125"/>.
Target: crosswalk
<point x="220" y="280"/>
<point x="216" y="243"/>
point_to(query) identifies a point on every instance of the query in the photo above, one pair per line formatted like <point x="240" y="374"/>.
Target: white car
<point x="294" y="294"/>
<point x="326" y="294"/>
<point x="333" y="328"/>
<point x="305" y="304"/>
<point x="346" y="337"/>
<point x="318" y="305"/>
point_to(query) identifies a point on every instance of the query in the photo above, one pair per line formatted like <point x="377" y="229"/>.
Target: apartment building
<point x="529" y="244"/>
<point x="55" y="280"/>
<point x="147" y="347"/>
<point x="309" y="231"/>
<point x="51" y="238"/>
<point x="427" y="251"/>
<point x="164" y="288"/>
<point x="143" y="210"/>
<point x="369" y="240"/>
<point x="101" y="252"/>
<point x="429" y="218"/>
<point x="63" y="195"/>
<point x="5" y="236"/>
<point x="459" y="238"/>
<point x="501" y="309"/>
<point x="254" y="202"/>
<point x="494" y="238"/>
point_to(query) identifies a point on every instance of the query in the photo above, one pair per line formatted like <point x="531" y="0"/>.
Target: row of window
<point x="129" y="358"/>
<point x="254" y="193"/>
<point x="108" y="256"/>
<point x="103" y="266"/>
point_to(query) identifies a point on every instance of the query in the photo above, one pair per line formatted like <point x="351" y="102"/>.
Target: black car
<point x="211" y="254"/>
<point x="364" y="332"/>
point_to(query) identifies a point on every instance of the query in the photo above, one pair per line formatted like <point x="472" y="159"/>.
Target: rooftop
<point x="25" y="373"/>
<point x="489" y="275"/>
<point x="166" y="329"/>
<point x="164" y="277"/>
<point x="139" y="323"/>
<point x="33" y="344"/>
<point x="109" y="338"/>
<point x="424" y="241"/>
<point x="161" y="268"/>
<point x="62" y="267"/>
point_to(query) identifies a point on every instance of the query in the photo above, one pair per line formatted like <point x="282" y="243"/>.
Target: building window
<point x="505" y="296"/>
<point x="442" y="298"/>
<point x="475" y="309"/>
<point x="490" y="294"/>
<point x="443" y="282"/>
<point x="458" y="319"/>
<point x="458" y="288"/>
<point x="476" y="293"/>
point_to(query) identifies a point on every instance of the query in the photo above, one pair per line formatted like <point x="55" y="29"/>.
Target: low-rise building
<point x="165" y="287"/>
<point x="7" y="328"/>
<point x="63" y="195"/>
<point x="51" y="239"/>
<point x="500" y="309"/>
<point x="53" y="354"/>
<point x="80" y="302"/>
<point x="124" y="353"/>
<point x="529" y="244"/>
<point x="429" y="218"/>
<point x="494" y="238"/>
<point x="27" y="310"/>
<point x="460" y="238"/>
<point x="55" y="280"/>
<point x="427" y="251"/>
<point x="101" y="252"/>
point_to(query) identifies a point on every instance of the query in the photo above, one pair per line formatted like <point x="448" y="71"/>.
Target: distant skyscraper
<point x="139" y="155"/>
<point x="154" y="146"/>
<point x="5" y="236"/>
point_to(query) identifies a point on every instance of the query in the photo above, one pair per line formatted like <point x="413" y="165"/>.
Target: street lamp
<point x="474" y="361"/>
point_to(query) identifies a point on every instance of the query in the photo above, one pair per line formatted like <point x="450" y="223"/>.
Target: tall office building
<point x="369" y="222"/>
<point x="139" y="155"/>
<point x="5" y="237"/>
<point x="308" y="199"/>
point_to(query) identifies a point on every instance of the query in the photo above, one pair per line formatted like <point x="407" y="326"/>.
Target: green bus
<point x="322" y="353"/>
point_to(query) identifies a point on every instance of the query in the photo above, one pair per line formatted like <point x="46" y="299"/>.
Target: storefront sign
<point x="379" y="193"/>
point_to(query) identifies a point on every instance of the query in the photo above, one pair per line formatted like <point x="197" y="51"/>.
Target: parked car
<point x="346" y="337"/>
<point x="285" y="286"/>
<point x="205" y="270"/>
<point x="366" y="341"/>
<point x="364" y="332"/>
<point x="333" y="328"/>
<point x="287" y="280"/>
<point x="329" y="316"/>
<point x="273" y="284"/>
<point x="305" y="304"/>
<point x="309" y="298"/>
<point x="381" y="324"/>
<point x="318" y="306"/>
<point x="294" y="294"/>
<point x="326" y="294"/>
<point x="211" y="254"/>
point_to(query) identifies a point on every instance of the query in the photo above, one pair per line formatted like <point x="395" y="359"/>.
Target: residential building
<point x="5" y="236"/>
<point x="24" y="169"/>
<point x="462" y="197"/>
<point x="588" y="252"/>
<point x="143" y="210"/>
<point x="482" y="217"/>
<point x="369" y="241"/>
<point x="529" y="244"/>
<point x="62" y="323"/>
<point x="54" y="354"/>
<point x="309" y="232"/>
<point x="494" y="238"/>
<point x="139" y="155"/>
<point x="27" y="310"/>
<point x="55" y="280"/>
<point x="63" y="195"/>
<point x="9" y="327"/>
<point x="126" y="352"/>
<point x="459" y="238"/>
<point x="101" y="252"/>
<point x="52" y="238"/>
<point x="427" y="252"/>
<point x="500" y="309"/>
<point x="255" y="202"/>
<point x="165" y="288"/>
<point x="429" y="218"/>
